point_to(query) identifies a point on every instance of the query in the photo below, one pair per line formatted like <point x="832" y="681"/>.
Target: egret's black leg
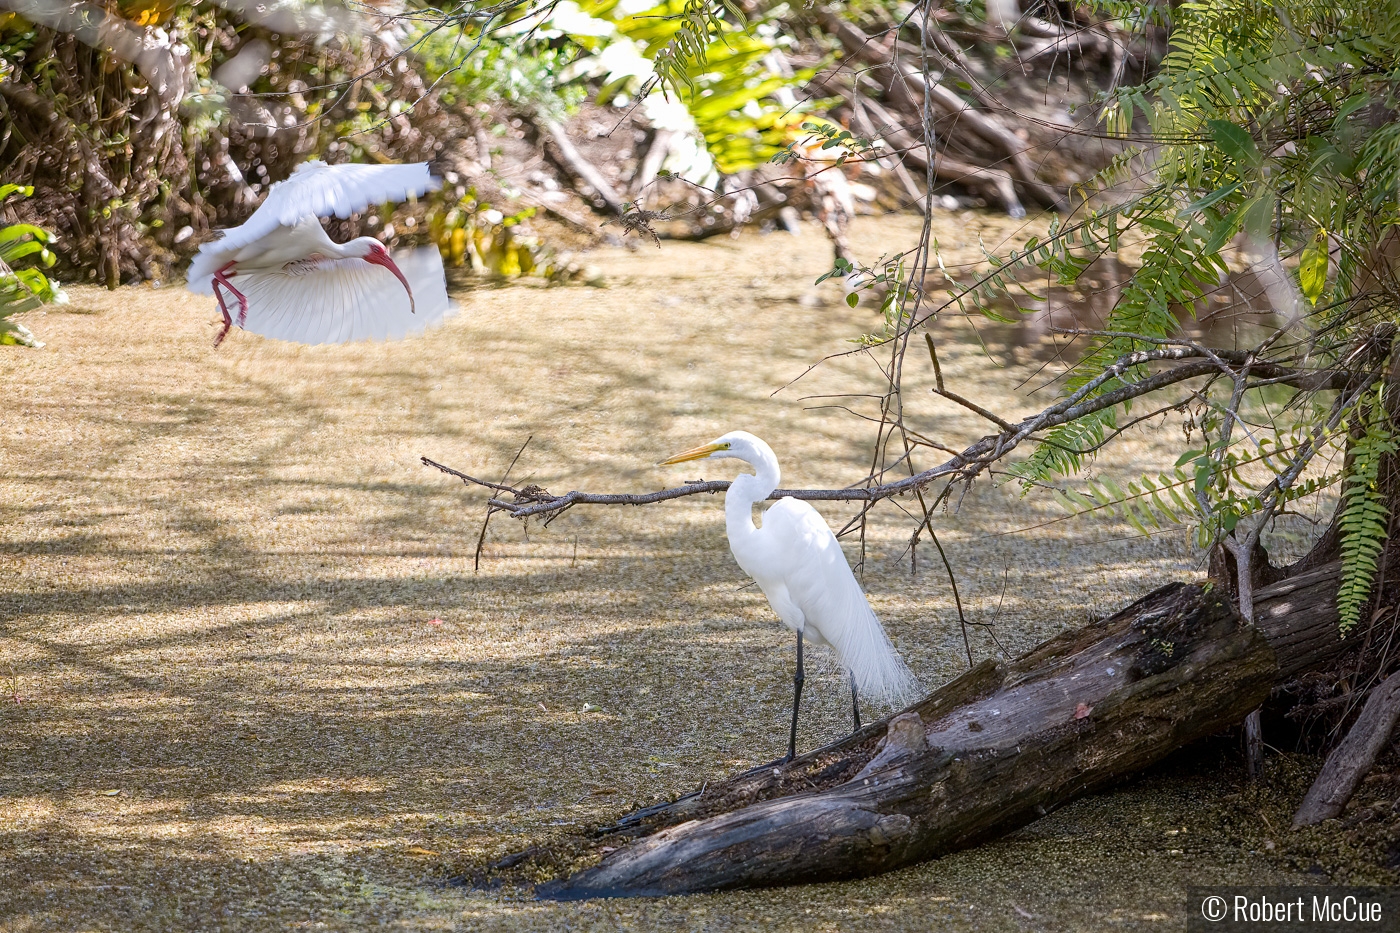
<point x="855" y="703"/>
<point x="796" y="700"/>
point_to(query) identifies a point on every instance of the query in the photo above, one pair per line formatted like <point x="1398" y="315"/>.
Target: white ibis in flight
<point x="281" y="276"/>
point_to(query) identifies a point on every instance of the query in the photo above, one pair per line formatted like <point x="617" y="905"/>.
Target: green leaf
<point x="1202" y="536"/>
<point x="1312" y="268"/>
<point x="1159" y="225"/>
<point x="1259" y="215"/>
<point x="852" y="299"/>
<point x="18" y="251"/>
<point x="1228" y="226"/>
<point x="1078" y="498"/>
<point x="16" y="231"/>
<point x="1235" y="141"/>
<point x="1203" y="476"/>
<point x="1219" y="194"/>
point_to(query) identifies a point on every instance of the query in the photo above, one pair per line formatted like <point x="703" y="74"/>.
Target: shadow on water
<point x="1235" y="313"/>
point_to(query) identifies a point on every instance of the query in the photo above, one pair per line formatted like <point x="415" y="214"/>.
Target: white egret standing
<point x="296" y="283"/>
<point x="797" y="562"/>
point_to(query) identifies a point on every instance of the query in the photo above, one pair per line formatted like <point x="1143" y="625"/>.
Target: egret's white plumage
<point x="798" y="563"/>
<point x="281" y="276"/>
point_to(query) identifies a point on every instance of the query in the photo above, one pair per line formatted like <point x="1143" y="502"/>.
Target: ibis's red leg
<point x="221" y="277"/>
<point x="223" y="309"/>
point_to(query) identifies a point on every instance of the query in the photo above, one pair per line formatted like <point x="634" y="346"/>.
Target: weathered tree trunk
<point x="987" y="753"/>
<point x="1350" y="761"/>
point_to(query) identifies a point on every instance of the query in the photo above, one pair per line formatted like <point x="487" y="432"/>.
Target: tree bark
<point x="1254" y="745"/>
<point x="1350" y="761"/>
<point x="987" y="753"/>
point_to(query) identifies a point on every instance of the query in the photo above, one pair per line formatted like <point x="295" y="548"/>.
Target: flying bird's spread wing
<point x="315" y="189"/>
<point x="343" y="300"/>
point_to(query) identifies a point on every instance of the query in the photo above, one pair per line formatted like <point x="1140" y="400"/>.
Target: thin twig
<point x="957" y="600"/>
<point x="490" y="509"/>
<point x="933" y="355"/>
<point x="974" y="407"/>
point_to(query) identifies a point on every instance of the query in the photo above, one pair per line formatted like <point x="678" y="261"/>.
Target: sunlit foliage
<point x="1272" y="146"/>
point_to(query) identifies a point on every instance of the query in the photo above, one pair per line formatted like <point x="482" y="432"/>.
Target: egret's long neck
<point x="746" y="490"/>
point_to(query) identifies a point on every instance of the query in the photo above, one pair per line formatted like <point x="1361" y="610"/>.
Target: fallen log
<point x="1353" y="759"/>
<point x="992" y="183"/>
<point x="907" y="85"/>
<point x="987" y="753"/>
<point x="570" y="159"/>
<point x="984" y="126"/>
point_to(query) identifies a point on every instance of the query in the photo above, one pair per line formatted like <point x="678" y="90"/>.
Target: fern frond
<point x="1147" y="502"/>
<point x="700" y="21"/>
<point x="1365" y="516"/>
<point x="1166" y="499"/>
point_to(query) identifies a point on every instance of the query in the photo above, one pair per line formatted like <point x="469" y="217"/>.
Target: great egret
<point x="797" y="562"/>
<point x="296" y="283"/>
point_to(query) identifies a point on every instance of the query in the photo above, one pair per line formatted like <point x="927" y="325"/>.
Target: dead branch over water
<point x="1190" y="362"/>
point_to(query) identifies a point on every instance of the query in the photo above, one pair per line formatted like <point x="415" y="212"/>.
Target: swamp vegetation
<point x="1194" y="238"/>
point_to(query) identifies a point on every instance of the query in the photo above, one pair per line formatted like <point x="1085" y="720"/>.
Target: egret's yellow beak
<point x="694" y="453"/>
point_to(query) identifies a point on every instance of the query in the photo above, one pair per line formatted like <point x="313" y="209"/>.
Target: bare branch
<point x="974" y="407"/>
<point x="1191" y="362"/>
